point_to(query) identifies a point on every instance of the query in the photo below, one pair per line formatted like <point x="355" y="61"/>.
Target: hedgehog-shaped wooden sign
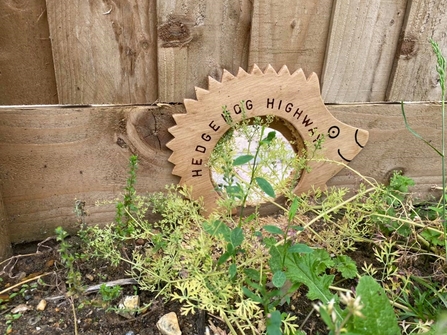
<point x="292" y="98"/>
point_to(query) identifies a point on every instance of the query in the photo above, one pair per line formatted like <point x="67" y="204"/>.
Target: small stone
<point x="41" y="305"/>
<point x="128" y="306"/>
<point x="130" y="332"/>
<point x="89" y="277"/>
<point x="168" y="324"/>
<point x="21" y="308"/>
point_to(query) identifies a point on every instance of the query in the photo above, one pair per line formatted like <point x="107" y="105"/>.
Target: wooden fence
<point x="145" y="56"/>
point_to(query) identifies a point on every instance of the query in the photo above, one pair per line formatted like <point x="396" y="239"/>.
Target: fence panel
<point x="26" y="64"/>
<point x="414" y="77"/>
<point x="291" y="32"/>
<point x="361" y="48"/>
<point x="104" y="51"/>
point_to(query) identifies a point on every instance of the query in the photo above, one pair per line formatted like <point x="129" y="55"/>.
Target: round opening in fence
<point x="253" y="162"/>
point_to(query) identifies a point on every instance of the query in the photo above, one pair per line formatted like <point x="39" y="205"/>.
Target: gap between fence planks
<point x="414" y="76"/>
<point x="118" y="52"/>
<point x="52" y="156"/>
<point x="200" y="40"/>
<point x="361" y="47"/>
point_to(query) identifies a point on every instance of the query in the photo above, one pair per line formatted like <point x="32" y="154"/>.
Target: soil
<point x="40" y="263"/>
<point x="36" y="273"/>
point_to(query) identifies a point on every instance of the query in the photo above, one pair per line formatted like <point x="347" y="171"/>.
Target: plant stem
<point x="441" y="69"/>
<point x="444" y="224"/>
<point x="252" y="177"/>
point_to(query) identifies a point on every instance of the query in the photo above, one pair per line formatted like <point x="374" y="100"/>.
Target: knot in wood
<point x="174" y="33"/>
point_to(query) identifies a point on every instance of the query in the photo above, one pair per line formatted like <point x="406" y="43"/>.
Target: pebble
<point x="130" y="332"/>
<point x="21" y="308"/>
<point x="41" y="305"/>
<point x="168" y="324"/>
<point x="129" y="305"/>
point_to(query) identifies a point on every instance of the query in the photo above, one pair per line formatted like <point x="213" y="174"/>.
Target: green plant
<point x="367" y="314"/>
<point x="246" y="272"/>
<point x="10" y="318"/>
<point x="265" y="166"/>
<point x="441" y="70"/>
<point x="109" y="293"/>
<point x="69" y="259"/>
<point x="126" y="207"/>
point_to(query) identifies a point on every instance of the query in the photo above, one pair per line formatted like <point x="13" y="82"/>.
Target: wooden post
<point x="5" y="244"/>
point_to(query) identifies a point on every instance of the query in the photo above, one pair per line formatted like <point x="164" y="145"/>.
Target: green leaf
<point x="302" y="268"/>
<point x="273" y="229"/>
<point x="378" y="312"/>
<point x="232" y="270"/>
<point x="265" y="186"/>
<point x="216" y="228"/>
<point x="293" y="208"/>
<point x="432" y="237"/>
<point x="252" y="274"/>
<point x="346" y="266"/>
<point x="252" y="295"/>
<point x="237" y="237"/>
<point x="234" y="191"/>
<point x="279" y="278"/>
<point x="274" y="323"/>
<point x="269" y="241"/>
<point x="241" y="160"/>
<point x="222" y="259"/>
<point x="300" y="248"/>
<point x="269" y="138"/>
<point x="276" y="257"/>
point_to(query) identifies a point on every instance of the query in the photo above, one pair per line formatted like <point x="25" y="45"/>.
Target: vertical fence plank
<point x="26" y="64"/>
<point x="5" y="243"/>
<point x="199" y="40"/>
<point x="414" y="75"/>
<point x="362" y="43"/>
<point x="291" y="33"/>
<point x="104" y="51"/>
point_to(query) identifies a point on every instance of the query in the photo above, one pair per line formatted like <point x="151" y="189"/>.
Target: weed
<point x="125" y="208"/>
<point x="109" y="293"/>
<point x="10" y="318"/>
<point x="246" y="271"/>
<point x="69" y="259"/>
<point x="441" y="70"/>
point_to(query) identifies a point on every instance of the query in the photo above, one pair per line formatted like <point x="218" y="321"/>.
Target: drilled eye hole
<point x="253" y="161"/>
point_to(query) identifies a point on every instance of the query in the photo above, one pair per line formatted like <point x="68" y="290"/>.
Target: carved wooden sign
<point x="294" y="99"/>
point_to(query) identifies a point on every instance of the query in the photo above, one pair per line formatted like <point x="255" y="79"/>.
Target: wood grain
<point x="5" y="243"/>
<point x="392" y="147"/>
<point x="52" y="156"/>
<point x="414" y="76"/>
<point x="294" y="99"/>
<point x="200" y="40"/>
<point x="26" y="63"/>
<point x="104" y="51"/>
<point x="362" y="43"/>
<point x="291" y="32"/>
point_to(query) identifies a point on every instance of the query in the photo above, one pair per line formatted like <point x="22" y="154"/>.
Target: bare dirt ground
<point x="35" y="273"/>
